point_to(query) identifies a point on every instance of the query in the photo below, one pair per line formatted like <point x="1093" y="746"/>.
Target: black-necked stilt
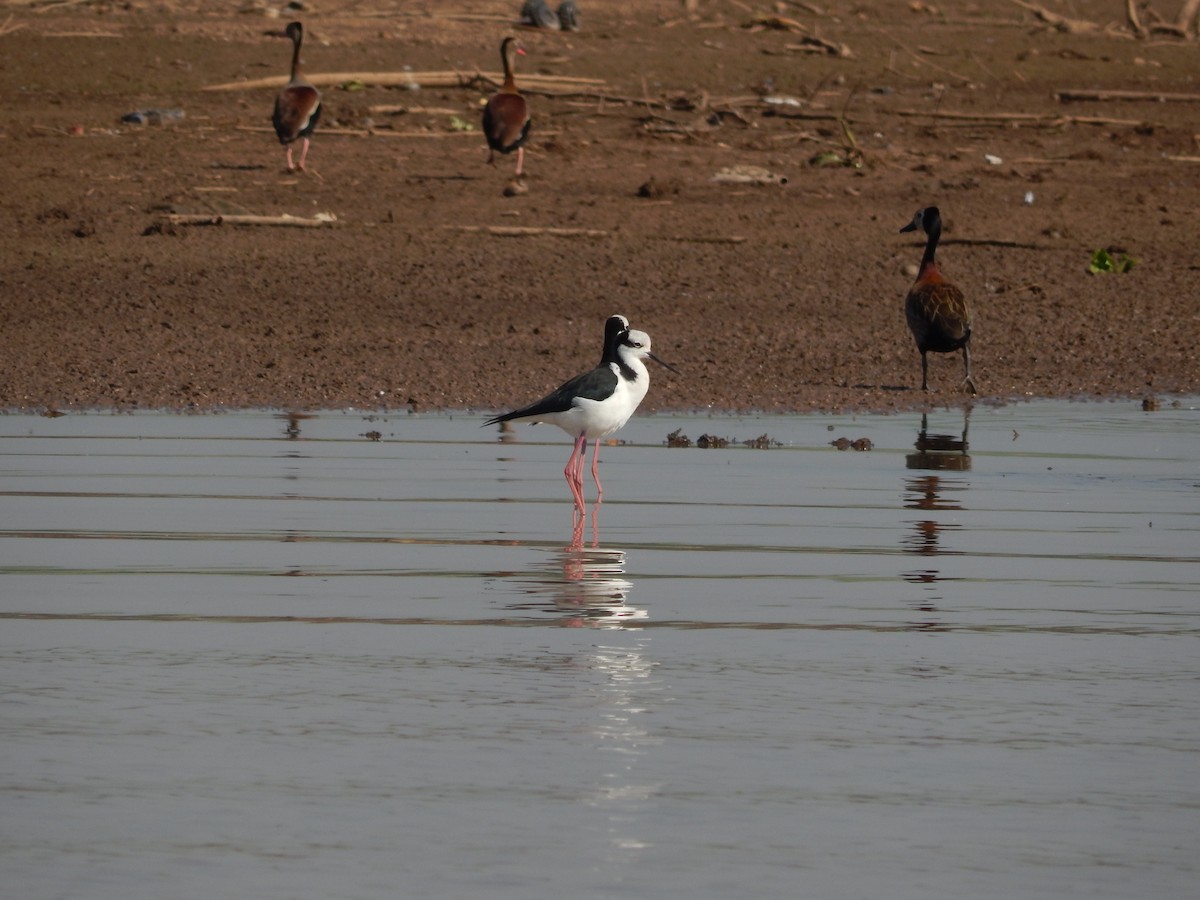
<point x="936" y="310"/>
<point x="298" y="106"/>
<point x="593" y="405"/>
<point x="506" y="116"/>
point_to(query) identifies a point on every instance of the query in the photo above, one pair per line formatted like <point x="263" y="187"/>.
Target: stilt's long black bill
<point x="665" y="365"/>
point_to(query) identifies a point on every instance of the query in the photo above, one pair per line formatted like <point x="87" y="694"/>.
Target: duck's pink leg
<point x="303" y="154"/>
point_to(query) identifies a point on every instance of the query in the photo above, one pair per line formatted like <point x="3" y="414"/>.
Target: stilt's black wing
<point x="597" y="384"/>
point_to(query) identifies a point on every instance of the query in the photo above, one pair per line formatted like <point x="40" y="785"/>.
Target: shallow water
<point x="250" y="656"/>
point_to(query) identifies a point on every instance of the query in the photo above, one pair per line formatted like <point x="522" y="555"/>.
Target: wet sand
<point x="781" y="296"/>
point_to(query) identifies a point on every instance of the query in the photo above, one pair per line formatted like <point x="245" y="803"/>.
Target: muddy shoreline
<point x="434" y="290"/>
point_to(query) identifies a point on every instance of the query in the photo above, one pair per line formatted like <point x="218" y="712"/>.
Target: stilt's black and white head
<point x="613" y="329"/>
<point x="635" y="345"/>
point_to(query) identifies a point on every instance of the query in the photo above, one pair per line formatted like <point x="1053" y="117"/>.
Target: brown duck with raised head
<point x="298" y="106"/>
<point x="506" y="116"/>
<point x="937" y="310"/>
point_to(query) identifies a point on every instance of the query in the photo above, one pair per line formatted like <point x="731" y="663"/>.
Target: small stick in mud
<point x="529" y="231"/>
<point x="320" y="220"/>
<point x="1066" y="96"/>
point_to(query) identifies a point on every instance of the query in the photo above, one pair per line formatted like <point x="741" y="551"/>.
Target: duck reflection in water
<point x="932" y="494"/>
<point x="292" y="431"/>
<point x="584" y="583"/>
<point x="941" y="452"/>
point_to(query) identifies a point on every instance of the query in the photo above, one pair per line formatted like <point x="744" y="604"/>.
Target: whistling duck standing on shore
<point x="298" y="106"/>
<point x="937" y="310"/>
<point x="506" y="116"/>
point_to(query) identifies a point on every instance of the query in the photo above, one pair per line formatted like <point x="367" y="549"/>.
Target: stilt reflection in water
<point x="620" y="790"/>
<point x="586" y="584"/>
<point x="934" y="494"/>
<point x="579" y="522"/>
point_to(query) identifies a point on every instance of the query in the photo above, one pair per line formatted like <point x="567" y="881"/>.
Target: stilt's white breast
<point x="603" y="417"/>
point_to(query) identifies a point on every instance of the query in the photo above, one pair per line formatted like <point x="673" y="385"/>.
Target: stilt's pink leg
<point x="579" y="467"/>
<point x="578" y="510"/>
<point x="596" y="472"/>
<point x="574" y="464"/>
<point x="291" y="165"/>
<point x="520" y="160"/>
<point x="303" y="154"/>
<point x="579" y="476"/>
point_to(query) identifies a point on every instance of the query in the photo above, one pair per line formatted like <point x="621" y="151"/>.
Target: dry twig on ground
<point x="1066" y="96"/>
<point x="321" y="220"/>
<point x="528" y="231"/>
<point x="1061" y="23"/>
